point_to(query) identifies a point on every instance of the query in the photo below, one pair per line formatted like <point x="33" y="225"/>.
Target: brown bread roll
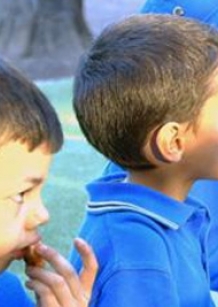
<point x="31" y="257"/>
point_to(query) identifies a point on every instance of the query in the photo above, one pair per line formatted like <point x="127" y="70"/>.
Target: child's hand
<point x="62" y="287"/>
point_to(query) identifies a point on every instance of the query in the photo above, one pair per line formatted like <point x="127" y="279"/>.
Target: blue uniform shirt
<point x="152" y="249"/>
<point x="12" y="294"/>
<point x="205" y="191"/>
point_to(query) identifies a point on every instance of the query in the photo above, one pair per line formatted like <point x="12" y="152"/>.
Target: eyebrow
<point x="35" y="180"/>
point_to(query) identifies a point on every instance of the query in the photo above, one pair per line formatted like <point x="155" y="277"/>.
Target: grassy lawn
<point x="72" y="168"/>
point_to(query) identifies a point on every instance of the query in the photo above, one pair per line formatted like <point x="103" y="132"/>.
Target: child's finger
<point x="89" y="271"/>
<point x="63" y="268"/>
<point x="49" y="285"/>
<point x="44" y="296"/>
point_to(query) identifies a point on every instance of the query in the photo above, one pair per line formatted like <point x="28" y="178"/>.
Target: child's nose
<point x="38" y="215"/>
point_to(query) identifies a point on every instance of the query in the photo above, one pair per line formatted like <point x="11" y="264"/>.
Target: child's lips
<point x="19" y="253"/>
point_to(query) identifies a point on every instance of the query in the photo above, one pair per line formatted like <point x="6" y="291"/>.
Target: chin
<point x="4" y="263"/>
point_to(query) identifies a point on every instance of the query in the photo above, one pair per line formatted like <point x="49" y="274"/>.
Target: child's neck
<point x="173" y="185"/>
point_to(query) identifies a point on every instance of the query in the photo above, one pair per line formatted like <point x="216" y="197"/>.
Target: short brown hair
<point x="141" y="73"/>
<point x="25" y="113"/>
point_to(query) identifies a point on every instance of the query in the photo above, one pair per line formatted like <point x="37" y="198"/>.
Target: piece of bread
<point x="31" y="257"/>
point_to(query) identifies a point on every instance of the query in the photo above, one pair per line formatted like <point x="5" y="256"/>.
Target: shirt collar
<point x="111" y="194"/>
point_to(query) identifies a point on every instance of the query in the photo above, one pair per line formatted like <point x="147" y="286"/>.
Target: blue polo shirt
<point x="12" y="293"/>
<point x="205" y="191"/>
<point x="152" y="249"/>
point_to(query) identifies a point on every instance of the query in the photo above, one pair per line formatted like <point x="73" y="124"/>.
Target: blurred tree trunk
<point x="44" y="37"/>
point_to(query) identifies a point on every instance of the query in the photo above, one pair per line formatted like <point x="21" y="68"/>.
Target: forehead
<point x="17" y="164"/>
<point x="213" y="82"/>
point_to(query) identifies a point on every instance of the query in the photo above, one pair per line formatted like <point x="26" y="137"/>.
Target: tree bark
<point x="45" y="38"/>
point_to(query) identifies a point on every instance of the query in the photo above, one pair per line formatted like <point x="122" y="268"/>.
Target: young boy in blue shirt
<point x="30" y="133"/>
<point x="145" y="95"/>
<point x="204" y="190"/>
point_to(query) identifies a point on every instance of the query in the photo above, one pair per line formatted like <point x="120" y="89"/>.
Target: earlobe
<point x="166" y="144"/>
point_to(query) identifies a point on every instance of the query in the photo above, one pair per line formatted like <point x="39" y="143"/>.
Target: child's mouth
<point x="18" y="254"/>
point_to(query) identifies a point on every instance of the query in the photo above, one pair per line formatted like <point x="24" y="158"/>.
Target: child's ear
<point x="165" y="144"/>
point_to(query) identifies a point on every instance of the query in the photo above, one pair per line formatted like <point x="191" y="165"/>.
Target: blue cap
<point x="203" y="10"/>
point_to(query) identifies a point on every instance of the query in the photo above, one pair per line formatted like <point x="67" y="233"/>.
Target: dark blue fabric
<point x="12" y="293"/>
<point x="143" y="260"/>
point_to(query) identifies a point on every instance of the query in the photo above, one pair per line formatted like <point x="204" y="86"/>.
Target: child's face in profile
<point x="22" y="174"/>
<point x="204" y="145"/>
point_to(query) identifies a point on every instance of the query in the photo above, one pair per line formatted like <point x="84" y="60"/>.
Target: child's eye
<point x="18" y="198"/>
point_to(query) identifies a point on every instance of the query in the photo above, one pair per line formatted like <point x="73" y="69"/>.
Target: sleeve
<point x="12" y="292"/>
<point x="147" y="288"/>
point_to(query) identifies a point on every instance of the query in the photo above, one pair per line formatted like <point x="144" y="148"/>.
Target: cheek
<point x="202" y="154"/>
<point x="207" y="159"/>
<point x="4" y="263"/>
<point x="210" y="147"/>
<point x="9" y="240"/>
<point x="10" y="229"/>
<point x="8" y="211"/>
<point x="207" y="137"/>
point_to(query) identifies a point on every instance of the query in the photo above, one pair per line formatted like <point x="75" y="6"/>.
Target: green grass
<point x="77" y="164"/>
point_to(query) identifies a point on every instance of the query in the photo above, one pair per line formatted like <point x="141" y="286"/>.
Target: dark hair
<point x="141" y="73"/>
<point x="25" y="113"/>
